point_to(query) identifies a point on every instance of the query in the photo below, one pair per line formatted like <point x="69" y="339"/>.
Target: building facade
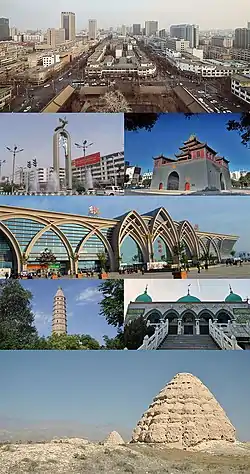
<point x="68" y="23"/>
<point x="242" y="38"/>
<point x="4" y="29"/>
<point x="76" y="240"/>
<point x="136" y="29"/>
<point x="187" y="32"/>
<point x="190" y="322"/>
<point x="109" y="170"/>
<point x="151" y="28"/>
<point x="55" y="37"/>
<point x="196" y="168"/>
<point x="92" y="29"/>
<point x="240" y="87"/>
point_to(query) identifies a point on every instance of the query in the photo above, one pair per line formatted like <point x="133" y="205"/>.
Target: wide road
<point x="37" y="97"/>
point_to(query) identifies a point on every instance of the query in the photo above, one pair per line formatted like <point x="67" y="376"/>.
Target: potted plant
<point x="102" y="262"/>
<point x="179" y="252"/>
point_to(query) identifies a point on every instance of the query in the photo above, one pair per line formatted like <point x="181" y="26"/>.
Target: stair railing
<point x="224" y="342"/>
<point x="153" y="342"/>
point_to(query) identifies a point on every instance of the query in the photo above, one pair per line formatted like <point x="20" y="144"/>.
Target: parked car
<point x="111" y="191"/>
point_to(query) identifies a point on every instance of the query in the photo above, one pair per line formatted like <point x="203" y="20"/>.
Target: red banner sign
<point x="87" y="160"/>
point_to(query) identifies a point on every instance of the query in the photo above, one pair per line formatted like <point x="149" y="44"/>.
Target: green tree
<point x="135" y="332"/>
<point x="116" y="343"/>
<point x="134" y="122"/>
<point x="46" y="257"/>
<point x="242" y="126"/>
<point x="232" y="253"/>
<point x="66" y="342"/>
<point x="102" y="257"/>
<point x="17" y="329"/>
<point x="112" y="305"/>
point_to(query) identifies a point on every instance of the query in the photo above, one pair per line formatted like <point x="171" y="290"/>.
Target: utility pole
<point x="14" y="153"/>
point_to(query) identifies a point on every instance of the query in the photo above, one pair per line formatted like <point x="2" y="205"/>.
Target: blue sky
<point x="172" y="130"/>
<point x="34" y="133"/>
<point x="228" y="214"/>
<point x="115" y="388"/>
<point x="83" y="309"/>
<point x="35" y="15"/>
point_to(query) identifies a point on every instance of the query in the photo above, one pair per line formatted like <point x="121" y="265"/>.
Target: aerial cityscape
<point x="74" y="65"/>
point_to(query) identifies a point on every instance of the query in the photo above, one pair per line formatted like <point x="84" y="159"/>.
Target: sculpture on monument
<point x="62" y="138"/>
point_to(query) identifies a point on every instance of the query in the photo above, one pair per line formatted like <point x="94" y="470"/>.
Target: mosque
<point x="190" y="323"/>
<point x="196" y="168"/>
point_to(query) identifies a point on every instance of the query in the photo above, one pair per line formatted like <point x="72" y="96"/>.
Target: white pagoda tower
<point x="59" y="321"/>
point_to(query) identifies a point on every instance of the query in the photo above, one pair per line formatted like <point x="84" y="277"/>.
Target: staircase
<point x="188" y="342"/>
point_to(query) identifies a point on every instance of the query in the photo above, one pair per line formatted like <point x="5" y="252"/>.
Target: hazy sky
<point x="115" y="388"/>
<point x="205" y="290"/>
<point x="83" y="309"/>
<point x="46" y="14"/>
<point x="171" y="130"/>
<point x="34" y="133"/>
<point x="222" y="214"/>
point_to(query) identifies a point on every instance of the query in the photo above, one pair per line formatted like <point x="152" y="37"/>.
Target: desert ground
<point x="80" y="456"/>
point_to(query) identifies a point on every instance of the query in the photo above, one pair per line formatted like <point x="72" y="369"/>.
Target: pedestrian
<point x="198" y="267"/>
<point x="6" y="275"/>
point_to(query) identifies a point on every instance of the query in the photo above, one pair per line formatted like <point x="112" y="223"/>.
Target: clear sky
<point x="205" y="290"/>
<point x="28" y="14"/>
<point x="222" y="214"/>
<point x="171" y="130"/>
<point x="83" y="309"/>
<point x="95" y="389"/>
<point x="34" y="133"/>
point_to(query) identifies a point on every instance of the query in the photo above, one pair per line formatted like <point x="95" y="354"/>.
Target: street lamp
<point x="85" y="145"/>
<point x="14" y="153"/>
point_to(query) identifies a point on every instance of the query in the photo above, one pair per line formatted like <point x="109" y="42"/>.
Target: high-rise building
<point x="124" y="30"/>
<point x="248" y="25"/>
<point x="4" y="29"/>
<point x="59" y="321"/>
<point x="162" y="34"/>
<point x="242" y="38"/>
<point x="136" y="29"/>
<point x="151" y="28"/>
<point x="55" y="36"/>
<point x="187" y="32"/>
<point x="13" y="32"/>
<point x="92" y="29"/>
<point x="68" y="23"/>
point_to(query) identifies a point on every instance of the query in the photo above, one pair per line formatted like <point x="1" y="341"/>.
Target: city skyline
<point x="34" y="133"/>
<point x="217" y="218"/>
<point x="205" y="290"/>
<point x="78" y="377"/>
<point x="26" y="15"/>
<point x="171" y="130"/>
<point x="83" y="307"/>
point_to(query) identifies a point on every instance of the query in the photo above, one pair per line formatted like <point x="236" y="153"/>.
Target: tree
<point x="242" y="126"/>
<point x="17" y="329"/>
<point x="46" y="257"/>
<point x="232" y="253"/>
<point x="102" y="257"/>
<point x="72" y="342"/>
<point x="112" y="305"/>
<point x="135" y="332"/>
<point x="116" y="343"/>
<point x="114" y="102"/>
<point x="179" y="251"/>
<point x="135" y="122"/>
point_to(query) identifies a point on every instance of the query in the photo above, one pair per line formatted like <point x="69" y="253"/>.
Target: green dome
<point x="144" y="298"/>
<point x="232" y="297"/>
<point x="188" y="299"/>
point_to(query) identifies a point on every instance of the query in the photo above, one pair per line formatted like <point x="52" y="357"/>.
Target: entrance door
<point x="187" y="186"/>
<point x="188" y="329"/>
<point x="188" y="322"/>
<point x="173" y="181"/>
